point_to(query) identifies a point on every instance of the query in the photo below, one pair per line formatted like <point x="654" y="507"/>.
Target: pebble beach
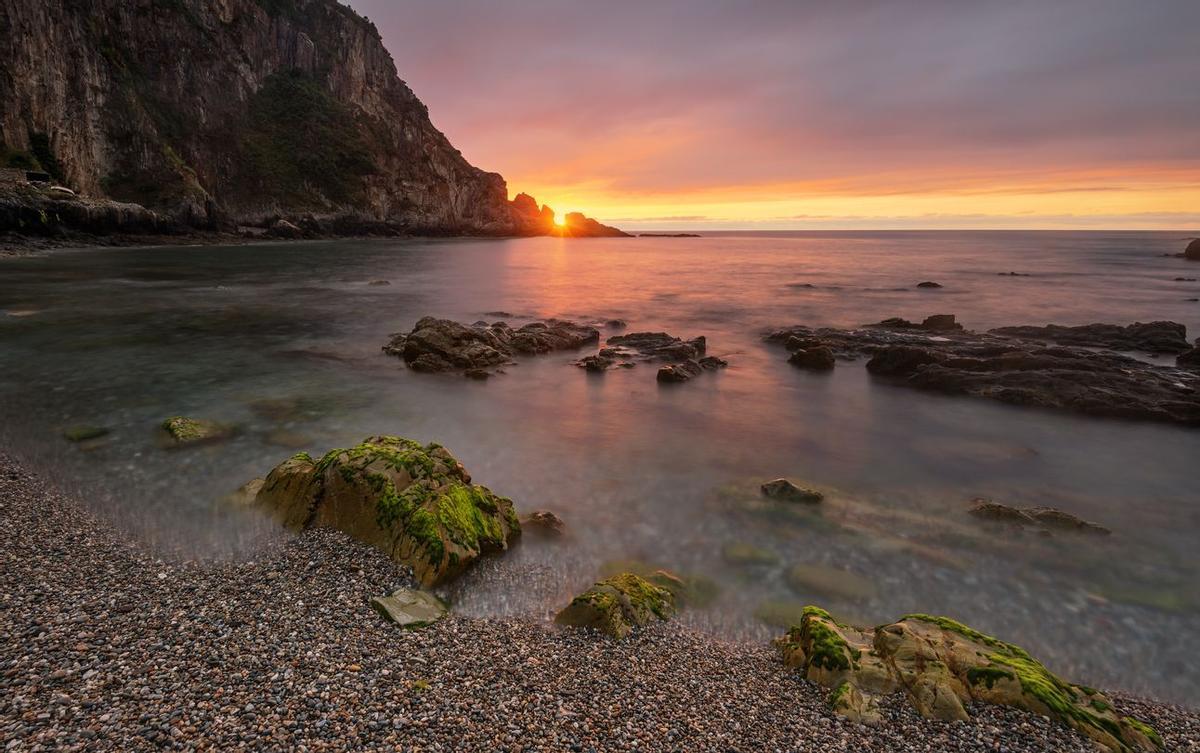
<point x="106" y="646"/>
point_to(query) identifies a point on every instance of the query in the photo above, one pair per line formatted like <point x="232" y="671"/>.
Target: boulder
<point x="617" y="605"/>
<point x="819" y="358"/>
<point x="941" y="323"/>
<point x="1148" y="337"/>
<point x="928" y="284"/>
<point x="1192" y="251"/>
<point x="785" y="491"/>
<point x="181" y="431"/>
<point x="410" y="609"/>
<point x="941" y="665"/>
<point x="545" y="523"/>
<point x="414" y="502"/>
<point x="679" y="372"/>
<point x="687" y="590"/>
<point x="442" y="345"/>
<point x="658" y="346"/>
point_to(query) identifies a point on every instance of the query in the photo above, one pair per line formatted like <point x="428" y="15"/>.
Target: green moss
<point x="988" y="675"/>
<point x="827" y="648"/>
<point x="1146" y="730"/>
<point x="839" y="697"/>
<point x="945" y="623"/>
<point x="643" y="594"/>
<point x="184" y="430"/>
<point x="467" y="514"/>
<point x="1101" y="706"/>
<point x="301" y="145"/>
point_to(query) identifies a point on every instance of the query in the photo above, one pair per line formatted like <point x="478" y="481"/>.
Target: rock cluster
<point x="1016" y="371"/>
<point x="414" y="502"/>
<point x="941" y="665"/>
<point x="627" y="350"/>
<point x="617" y="605"/>
<point x="1150" y="337"/>
<point x="442" y="345"/>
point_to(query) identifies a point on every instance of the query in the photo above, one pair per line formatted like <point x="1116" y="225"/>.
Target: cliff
<point x="214" y="113"/>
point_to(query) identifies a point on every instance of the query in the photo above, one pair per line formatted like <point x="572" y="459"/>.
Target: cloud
<point x="584" y="100"/>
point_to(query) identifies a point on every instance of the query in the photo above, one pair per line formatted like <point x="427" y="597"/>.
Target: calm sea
<point x="125" y="338"/>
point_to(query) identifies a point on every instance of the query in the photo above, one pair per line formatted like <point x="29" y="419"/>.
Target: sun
<point x="561" y="221"/>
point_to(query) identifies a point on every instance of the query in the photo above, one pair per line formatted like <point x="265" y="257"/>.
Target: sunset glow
<point x="705" y="115"/>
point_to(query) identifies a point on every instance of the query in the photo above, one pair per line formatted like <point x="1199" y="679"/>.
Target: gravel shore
<point x="103" y="646"/>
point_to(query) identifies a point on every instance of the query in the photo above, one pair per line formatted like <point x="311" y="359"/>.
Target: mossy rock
<point x="742" y="554"/>
<point x="689" y="591"/>
<point x="616" y="605"/>
<point x="415" y="502"/>
<point x="181" y="431"/>
<point x="942" y="665"/>
<point x="84" y="433"/>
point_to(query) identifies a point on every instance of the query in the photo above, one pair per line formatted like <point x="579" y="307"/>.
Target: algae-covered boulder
<point x="616" y="605"/>
<point x="940" y="665"/>
<point x="180" y="431"/>
<point x="413" y="501"/>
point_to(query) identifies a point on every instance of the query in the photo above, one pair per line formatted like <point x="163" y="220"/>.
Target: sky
<point x="757" y="114"/>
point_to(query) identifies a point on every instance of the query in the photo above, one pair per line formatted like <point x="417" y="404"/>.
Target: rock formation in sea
<point x="208" y="114"/>
<point x="1020" y="371"/>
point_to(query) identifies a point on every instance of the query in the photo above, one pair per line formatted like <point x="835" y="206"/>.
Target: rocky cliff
<point x="214" y="113"/>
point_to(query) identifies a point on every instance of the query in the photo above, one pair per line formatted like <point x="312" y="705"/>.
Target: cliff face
<point x="220" y="111"/>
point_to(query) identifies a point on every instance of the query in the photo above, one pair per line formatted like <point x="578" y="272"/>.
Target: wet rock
<point x="442" y="345"/>
<point x="1017" y="371"/>
<point x="819" y="358"/>
<point x="409" y="608"/>
<point x="545" y="523"/>
<point x="1189" y="359"/>
<point x="596" y="364"/>
<point x="995" y="512"/>
<point x="1192" y="252"/>
<point x="829" y="582"/>
<point x="83" y="433"/>
<point x="934" y="323"/>
<point x="1043" y="518"/>
<point x="710" y="363"/>
<point x="180" y="431"/>
<point x="616" y="324"/>
<point x="941" y="665"/>
<point x="679" y="372"/>
<point x="1150" y="337"/>
<point x="1049" y="517"/>
<point x="928" y="284"/>
<point x="785" y="491"/>
<point x="658" y="346"/>
<point x="245" y="494"/>
<point x="617" y="605"/>
<point x="414" y="502"/>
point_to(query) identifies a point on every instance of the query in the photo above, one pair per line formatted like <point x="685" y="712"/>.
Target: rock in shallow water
<point x="414" y="502"/>
<point x="940" y="665"/>
<point x="188" y="432"/>
<point x="1149" y="337"/>
<point x="617" y="605"/>
<point x="784" y="490"/>
<point x="442" y="345"/>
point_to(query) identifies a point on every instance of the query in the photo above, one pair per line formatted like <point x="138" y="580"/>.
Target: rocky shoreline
<point x="108" y="647"/>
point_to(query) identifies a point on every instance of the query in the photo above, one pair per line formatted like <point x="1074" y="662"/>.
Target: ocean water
<point x="660" y="474"/>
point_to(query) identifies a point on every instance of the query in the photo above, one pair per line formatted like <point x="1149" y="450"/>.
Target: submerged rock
<point x="414" y="502"/>
<point x="1150" y="337"/>
<point x="410" y="609"/>
<point x="1043" y="518"/>
<point x="617" y="605"/>
<point x="741" y="553"/>
<point x="941" y="665"/>
<point x="181" y="431"/>
<point x="442" y="345"/>
<point x="1015" y="371"/>
<point x="784" y="490"/>
<point x="84" y="433"/>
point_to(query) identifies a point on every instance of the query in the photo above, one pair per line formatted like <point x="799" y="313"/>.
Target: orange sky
<point x="697" y="114"/>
